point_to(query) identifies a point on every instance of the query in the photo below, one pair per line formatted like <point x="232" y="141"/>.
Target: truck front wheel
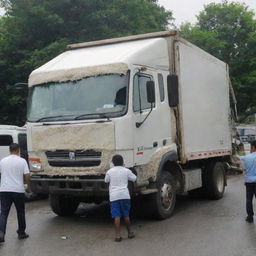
<point x="163" y="201"/>
<point x="63" y="205"/>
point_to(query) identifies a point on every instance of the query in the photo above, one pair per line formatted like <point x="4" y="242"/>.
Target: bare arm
<point x="27" y="180"/>
<point x="132" y="177"/>
<point x="107" y="179"/>
<point x="26" y="174"/>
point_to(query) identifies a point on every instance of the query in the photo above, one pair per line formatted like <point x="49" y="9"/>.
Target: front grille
<point x="76" y="158"/>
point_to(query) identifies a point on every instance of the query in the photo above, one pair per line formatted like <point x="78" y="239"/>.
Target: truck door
<point x="22" y="140"/>
<point x="155" y="127"/>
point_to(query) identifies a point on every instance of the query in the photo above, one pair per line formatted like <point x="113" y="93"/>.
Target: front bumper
<point x="86" y="187"/>
<point x="81" y="187"/>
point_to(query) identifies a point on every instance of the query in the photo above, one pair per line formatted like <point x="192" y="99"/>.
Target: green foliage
<point x="34" y="31"/>
<point x="228" y="31"/>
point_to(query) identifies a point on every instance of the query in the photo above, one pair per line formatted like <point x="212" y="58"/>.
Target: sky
<point x="186" y="10"/>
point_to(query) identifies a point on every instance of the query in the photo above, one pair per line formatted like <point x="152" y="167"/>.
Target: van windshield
<point x="92" y="97"/>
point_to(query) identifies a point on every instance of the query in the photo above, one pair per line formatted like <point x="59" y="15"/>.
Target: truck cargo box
<point x="204" y="103"/>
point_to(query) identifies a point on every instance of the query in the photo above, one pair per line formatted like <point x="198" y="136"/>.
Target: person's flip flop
<point x="118" y="239"/>
<point x="131" y="235"/>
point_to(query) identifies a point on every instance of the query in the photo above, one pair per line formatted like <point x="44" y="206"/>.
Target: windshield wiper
<point x="50" y="117"/>
<point x="104" y="116"/>
<point x="101" y="115"/>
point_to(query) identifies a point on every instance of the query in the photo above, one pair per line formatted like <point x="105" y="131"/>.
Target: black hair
<point x="14" y="147"/>
<point x="118" y="160"/>
<point x="253" y="143"/>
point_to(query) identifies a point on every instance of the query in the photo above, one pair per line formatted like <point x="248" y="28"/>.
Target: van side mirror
<point x="151" y="92"/>
<point x="21" y="86"/>
<point x="173" y="90"/>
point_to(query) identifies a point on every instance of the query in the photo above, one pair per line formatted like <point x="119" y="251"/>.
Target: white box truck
<point x="156" y="99"/>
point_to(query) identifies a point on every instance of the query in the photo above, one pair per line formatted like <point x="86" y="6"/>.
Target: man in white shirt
<point x="120" y="200"/>
<point x="14" y="170"/>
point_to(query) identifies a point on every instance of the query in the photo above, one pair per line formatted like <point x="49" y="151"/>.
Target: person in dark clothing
<point x="249" y="162"/>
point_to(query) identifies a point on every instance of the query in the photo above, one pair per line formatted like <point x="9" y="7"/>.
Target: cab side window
<point x="140" y="92"/>
<point x="161" y="86"/>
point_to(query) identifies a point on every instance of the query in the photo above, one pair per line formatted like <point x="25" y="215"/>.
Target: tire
<point x="162" y="203"/>
<point x="214" y="180"/>
<point x="63" y="205"/>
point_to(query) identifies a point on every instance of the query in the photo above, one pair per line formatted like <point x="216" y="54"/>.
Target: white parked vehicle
<point x="247" y="133"/>
<point x="13" y="134"/>
<point x="156" y="99"/>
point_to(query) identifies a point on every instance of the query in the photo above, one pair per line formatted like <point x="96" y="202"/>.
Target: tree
<point x="228" y="31"/>
<point x="34" y="31"/>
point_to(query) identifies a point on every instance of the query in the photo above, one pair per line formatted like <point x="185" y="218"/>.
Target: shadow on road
<point x="100" y="214"/>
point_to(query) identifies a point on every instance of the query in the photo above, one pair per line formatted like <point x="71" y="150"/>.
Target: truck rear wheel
<point x="63" y="205"/>
<point x="163" y="201"/>
<point x="215" y="180"/>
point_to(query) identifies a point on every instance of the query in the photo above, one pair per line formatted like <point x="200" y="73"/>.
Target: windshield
<point x="92" y="97"/>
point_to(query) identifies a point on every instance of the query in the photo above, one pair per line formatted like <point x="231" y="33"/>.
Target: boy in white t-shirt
<point x="120" y="200"/>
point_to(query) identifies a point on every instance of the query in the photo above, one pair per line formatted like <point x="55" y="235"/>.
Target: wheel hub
<point x="166" y="196"/>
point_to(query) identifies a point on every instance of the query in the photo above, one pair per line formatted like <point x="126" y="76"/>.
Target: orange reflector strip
<point x="34" y="160"/>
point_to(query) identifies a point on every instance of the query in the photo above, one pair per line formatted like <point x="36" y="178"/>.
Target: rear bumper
<point x="70" y="186"/>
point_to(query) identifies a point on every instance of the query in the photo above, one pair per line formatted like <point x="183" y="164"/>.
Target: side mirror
<point x="173" y="90"/>
<point x="20" y="86"/>
<point x="151" y="92"/>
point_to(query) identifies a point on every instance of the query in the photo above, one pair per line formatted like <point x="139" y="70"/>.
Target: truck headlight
<point x="35" y="165"/>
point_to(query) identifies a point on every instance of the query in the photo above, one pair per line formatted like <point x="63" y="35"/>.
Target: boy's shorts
<point x="120" y="208"/>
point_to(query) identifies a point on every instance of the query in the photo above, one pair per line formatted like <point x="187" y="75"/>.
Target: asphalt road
<point x="198" y="227"/>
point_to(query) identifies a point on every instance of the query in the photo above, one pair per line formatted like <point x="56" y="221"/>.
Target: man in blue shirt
<point x="249" y="162"/>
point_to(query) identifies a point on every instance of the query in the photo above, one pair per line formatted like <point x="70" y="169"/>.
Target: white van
<point x="247" y="134"/>
<point x="13" y="134"/>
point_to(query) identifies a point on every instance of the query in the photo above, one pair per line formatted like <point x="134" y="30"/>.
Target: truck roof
<point x="122" y="39"/>
<point x="111" y="56"/>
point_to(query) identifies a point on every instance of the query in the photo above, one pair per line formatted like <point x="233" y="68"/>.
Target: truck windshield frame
<point x="103" y="96"/>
